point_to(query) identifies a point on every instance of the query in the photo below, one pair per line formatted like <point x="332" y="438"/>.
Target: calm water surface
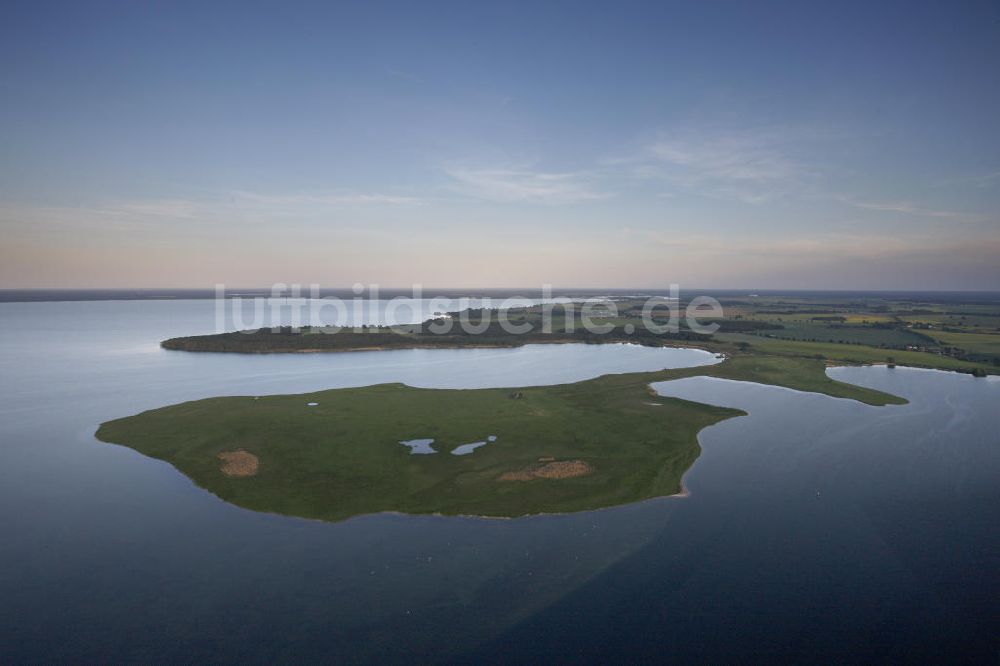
<point x="816" y="528"/>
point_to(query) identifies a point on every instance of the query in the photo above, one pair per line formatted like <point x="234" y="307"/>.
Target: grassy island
<point x="339" y="453"/>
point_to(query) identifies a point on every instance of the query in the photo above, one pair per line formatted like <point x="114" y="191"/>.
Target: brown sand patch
<point x="238" y="463"/>
<point x="562" y="469"/>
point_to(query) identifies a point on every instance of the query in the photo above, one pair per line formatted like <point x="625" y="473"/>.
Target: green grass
<point x="865" y="335"/>
<point x="343" y="458"/>
<point x="970" y="322"/>
<point x="849" y="354"/>
<point x="796" y="373"/>
<point x="979" y="343"/>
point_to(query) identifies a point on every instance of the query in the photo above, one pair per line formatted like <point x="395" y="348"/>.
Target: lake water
<point x="419" y="447"/>
<point x="815" y="528"/>
<point x="466" y="449"/>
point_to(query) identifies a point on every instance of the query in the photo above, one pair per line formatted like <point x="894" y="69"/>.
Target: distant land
<point x="28" y="295"/>
<point x="842" y="328"/>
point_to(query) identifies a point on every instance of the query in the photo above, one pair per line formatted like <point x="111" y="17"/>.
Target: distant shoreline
<point x="165" y="294"/>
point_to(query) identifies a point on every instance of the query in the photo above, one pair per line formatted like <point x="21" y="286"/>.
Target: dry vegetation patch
<point x="561" y="469"/>
<point x="238" y="463"/>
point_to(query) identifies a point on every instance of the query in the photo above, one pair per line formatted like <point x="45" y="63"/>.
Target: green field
<point x="343" y="457"/>
<point x="972" y="323"/>
<point x="862" y="335"/>
<point x="980" y="343"/>
<point x="849" y="354"/>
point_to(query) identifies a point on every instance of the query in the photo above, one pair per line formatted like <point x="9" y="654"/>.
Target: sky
<point x="760" y="145"/>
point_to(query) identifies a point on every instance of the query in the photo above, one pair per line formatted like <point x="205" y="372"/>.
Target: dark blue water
<point x="816" y="528"/>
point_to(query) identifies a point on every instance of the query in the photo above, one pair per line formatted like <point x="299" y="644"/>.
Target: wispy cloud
<point x="753" y="167"/>
<point x="402" y="75"/>
<point x="904" y="207"/>
<point x="222" y="208"/>
<point x="158" y="208"/>
<point x="981" y="180"/>
<point x="827" y="248"/>
<point x="525" y="185"/>
<point x="338" y="199"/>
<point x="988" y="180"/>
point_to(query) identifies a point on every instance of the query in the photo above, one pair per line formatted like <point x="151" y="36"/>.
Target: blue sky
<point x="757" y="145"/>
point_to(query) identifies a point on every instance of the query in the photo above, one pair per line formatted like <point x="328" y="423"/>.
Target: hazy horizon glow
<point x="459" y="145"/>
